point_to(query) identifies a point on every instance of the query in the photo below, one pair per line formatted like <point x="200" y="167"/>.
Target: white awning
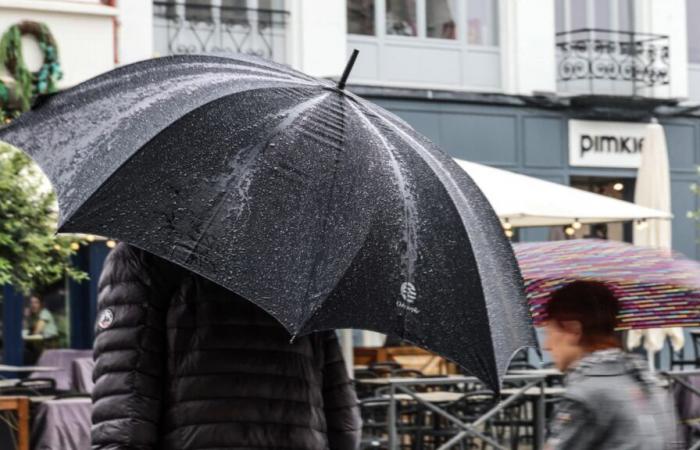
<point x="530" y="202"/>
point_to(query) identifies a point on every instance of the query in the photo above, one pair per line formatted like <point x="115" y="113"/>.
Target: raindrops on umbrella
<point x="322" y="208"/>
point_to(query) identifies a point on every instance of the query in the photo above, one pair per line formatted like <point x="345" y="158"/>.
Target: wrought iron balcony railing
<point x="224" y="27"/>
<point x="606" y="62"/>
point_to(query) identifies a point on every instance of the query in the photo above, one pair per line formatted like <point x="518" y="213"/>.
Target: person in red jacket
<point x="184" y="364"/>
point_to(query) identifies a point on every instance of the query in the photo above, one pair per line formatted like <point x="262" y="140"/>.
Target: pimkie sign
<point x="606" y="144"/>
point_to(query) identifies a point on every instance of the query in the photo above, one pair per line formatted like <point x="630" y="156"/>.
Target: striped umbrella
<point x="656" y="288"/>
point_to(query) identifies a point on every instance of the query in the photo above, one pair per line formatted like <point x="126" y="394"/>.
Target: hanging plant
<point x="29" y="84"/>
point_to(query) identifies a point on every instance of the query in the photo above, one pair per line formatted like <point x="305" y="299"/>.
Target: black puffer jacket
<point x="182" y="363"/>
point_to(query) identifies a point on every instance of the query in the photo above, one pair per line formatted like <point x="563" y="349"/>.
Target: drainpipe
<point x="115" y="30"/>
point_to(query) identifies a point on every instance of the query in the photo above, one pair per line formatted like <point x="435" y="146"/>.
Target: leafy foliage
<point x="32" y="256"/>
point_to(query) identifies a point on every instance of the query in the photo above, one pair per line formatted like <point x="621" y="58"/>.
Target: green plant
<point x="32" y="256"/>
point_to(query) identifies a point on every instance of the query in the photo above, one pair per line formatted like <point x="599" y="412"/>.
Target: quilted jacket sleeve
<point x="129" y="350"/>
<point x="339" y="398"/>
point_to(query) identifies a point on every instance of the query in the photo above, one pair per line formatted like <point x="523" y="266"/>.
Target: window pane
<point x="401" y="17"/>
<point x="601" y="9"/>
<point x="560" y="22"/>
<point x="482" y="26"/>
<point x="198" y="11"/>
<point x="692" y="16"/>
<point x="361" y="17"/>
<point x="625" y="18"/>
<point x="234" y="12"/>
<point x="578" y="14"/>
<point x="441" y="19"/>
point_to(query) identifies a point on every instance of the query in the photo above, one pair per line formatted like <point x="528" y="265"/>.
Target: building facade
<point x="506" y="83"/>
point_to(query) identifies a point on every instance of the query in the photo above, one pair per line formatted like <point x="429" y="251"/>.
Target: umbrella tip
<point x="348" y="69"/>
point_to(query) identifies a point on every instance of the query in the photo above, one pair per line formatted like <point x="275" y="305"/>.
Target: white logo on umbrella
<point x="408" y="292"/>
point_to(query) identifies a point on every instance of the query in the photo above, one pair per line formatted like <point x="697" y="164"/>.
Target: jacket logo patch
<point x="106" y="319"/>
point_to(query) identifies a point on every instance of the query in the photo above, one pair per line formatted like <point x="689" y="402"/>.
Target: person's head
<point x="580" y="318"/>
<point x="35" y="304"/>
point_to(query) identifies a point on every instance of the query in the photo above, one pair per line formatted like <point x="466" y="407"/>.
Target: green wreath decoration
<point x="29" y="84"/>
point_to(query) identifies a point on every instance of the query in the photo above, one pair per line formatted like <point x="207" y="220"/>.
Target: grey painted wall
<point x="535" y="142"/>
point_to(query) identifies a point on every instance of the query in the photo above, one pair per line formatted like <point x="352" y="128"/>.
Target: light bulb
<point x="570" y="231"/>
<point x="90" y="238"/>
<point x="74" y="246"/>
<point x="111" y="244"/>
<point x="576" y="225"/>
<point x="507" y="225"/>
<point x="57" y="247"/>
<point x="618" y="186"/>
<point x="509" y="233"/>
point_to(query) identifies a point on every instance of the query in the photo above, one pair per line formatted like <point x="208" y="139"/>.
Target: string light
<point x="74" y="246"/>
<point x="57" y="247"/>
<point x="509" y="233"/>
<point x="569" y="231"/>
<point x="576" y="225"/>
<point x="111" y="244"/>
<point x="618" y="186"/>
<point x="507" y="225"/>
<point x="90" y="238"/>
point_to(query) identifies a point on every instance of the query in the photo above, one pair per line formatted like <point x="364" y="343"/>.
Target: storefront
<point x="593" y="148"/>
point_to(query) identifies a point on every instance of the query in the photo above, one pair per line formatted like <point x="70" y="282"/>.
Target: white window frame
<point x="421" y="23"/>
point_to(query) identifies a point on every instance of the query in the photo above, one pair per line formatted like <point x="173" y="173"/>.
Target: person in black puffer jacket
<point x="184" y="364"/>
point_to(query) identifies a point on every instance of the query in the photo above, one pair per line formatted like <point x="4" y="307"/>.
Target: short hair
<point x="591" y="303"/>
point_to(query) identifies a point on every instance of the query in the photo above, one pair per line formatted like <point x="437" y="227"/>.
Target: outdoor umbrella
<point x="653" y="190"/>
<point x="525" y="201"/>
<point x="655" y="287"/>
<point x="320" y="207"/>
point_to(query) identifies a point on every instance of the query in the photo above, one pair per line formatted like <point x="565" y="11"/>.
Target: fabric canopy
<point x="530" y="202"/>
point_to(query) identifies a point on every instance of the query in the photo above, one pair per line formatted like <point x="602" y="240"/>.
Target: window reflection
<point x="441" y="18"/>
<point x="482" y="22"/>
<point x="360" y="17"/>
<point x="401" y="17"/>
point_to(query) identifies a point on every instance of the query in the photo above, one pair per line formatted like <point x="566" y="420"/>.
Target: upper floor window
<point x="472" y="21"/>
<point x="401" y="19"/>
<point x="361" y="17"/>
<point x="482" y="22"/>
<point x="441" y="18"/>
<point x="615" y="15"/>
<point x="692" y="14"/>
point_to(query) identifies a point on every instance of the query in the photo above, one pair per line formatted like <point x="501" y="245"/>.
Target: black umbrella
<point x="322" y="208"/>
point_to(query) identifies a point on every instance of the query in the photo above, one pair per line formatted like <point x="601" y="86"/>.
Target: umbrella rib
<point x="409" y="254"/>
<point x="240" y="176"/>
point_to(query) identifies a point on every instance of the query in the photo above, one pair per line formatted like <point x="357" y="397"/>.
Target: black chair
<point x="374" y="422"/>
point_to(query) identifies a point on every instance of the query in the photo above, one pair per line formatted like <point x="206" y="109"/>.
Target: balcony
<point x="595" y="62"/>
<point x="201" y="26"/>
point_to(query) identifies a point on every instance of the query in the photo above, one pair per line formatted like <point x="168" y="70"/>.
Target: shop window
<point x="361" y="17"/>
<point x="482" y="22"/>
<point x="692" y="15"/>
<point x="401" y="18"/>
<point x="441" y="19"/>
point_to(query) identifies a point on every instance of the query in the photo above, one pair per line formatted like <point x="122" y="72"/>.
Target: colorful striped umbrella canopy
<point x="656" y="288"/>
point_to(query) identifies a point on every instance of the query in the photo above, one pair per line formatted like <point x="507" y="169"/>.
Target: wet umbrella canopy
<point x="322" y="208"/>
